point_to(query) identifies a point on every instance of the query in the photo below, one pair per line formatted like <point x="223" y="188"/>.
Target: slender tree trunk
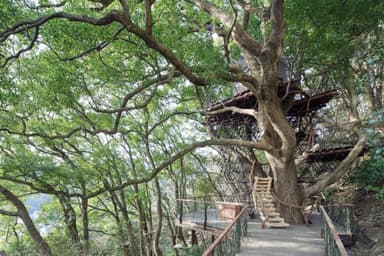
<point x="144" y="232"/>
<point x="85" y="220"/>
<point x="149" y="221"/>
<point x="179" y="194"/>
<point x="130" y="230"/>
<point x="128" y="236"/>
<point x="122" y="235"/>
<point x="159" y="211"/>
<point x="22" y="212"/>
<point x="84" y="210"/>
<point x="70" y="221"/>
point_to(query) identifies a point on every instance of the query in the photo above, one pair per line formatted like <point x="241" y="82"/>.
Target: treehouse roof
<point x="298" y="104"/>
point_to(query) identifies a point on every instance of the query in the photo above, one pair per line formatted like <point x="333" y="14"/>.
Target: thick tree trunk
<point x="287" y="190"/>
<point x="22" y="212"/>
<point x="277" y="132"/>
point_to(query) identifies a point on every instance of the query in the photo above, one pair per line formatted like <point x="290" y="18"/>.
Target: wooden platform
<point x="195" y="221"/>
<point x="298" y="240"/>
<point x="331" y="154"/>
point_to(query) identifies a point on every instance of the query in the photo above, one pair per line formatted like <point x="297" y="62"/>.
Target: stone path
<point x="298" y="240"/>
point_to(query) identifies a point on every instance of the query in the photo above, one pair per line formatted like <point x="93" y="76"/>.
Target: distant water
<point x="33" y="203"/>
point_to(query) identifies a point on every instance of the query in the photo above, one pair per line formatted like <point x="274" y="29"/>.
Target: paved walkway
<point x="298" y="240"/>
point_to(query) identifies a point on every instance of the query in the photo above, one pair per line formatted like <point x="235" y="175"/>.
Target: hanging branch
<point x="29" y="47"/>
<point x="228" y="35"/>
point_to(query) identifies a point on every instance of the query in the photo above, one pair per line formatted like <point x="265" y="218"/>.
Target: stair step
<point x="267" y="224"/>
<point x="272" y="214"/>
<point x="269" y="208"/>
<point x="276" y="219"/>
<point x="265" y="204"/>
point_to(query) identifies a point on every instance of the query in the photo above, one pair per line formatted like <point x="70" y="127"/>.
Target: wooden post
<point x="212" y="253"/>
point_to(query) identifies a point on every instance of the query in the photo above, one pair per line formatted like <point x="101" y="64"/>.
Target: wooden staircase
<point x="265" y="204"/>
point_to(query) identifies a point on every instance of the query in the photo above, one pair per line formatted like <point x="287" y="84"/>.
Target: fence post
<point x="348" y="217"/>
<point x="205" y="214"/>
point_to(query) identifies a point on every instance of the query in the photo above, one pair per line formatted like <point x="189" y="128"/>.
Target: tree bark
<point x="278" y="133"/>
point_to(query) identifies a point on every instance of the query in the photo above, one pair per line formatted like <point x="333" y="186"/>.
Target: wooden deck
<point x="298" y="240"/>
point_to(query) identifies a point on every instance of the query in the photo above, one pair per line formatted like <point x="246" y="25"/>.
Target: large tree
<point x="80" y="75"/>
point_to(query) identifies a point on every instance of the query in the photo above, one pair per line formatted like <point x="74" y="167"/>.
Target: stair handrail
<point x="335" y="239"/>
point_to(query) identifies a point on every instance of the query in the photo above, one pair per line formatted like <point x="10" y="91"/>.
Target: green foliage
<point x="371" y="172"/>
<point x="325" y="35"/>
<point x="204" y="187"/>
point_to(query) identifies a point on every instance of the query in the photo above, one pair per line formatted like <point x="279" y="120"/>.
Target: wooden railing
<point x="333" y="243"/>
<point x="228" y="242"/>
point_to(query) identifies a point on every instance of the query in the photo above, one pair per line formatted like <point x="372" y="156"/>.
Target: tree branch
<point x="26" y="25"/>
<point x="182" y="153"/>
<point x="167" y="53"/>
<point x="243" y="111"/>
<point x="301" y="159"/>
<point x="22" y="212"/>
<point x="148" y="16"/>
<point x="9" y="213"/>
<point x="276" y="36"/>
<point x="98" y="47"/>
<point x="340" y="171"/>
<point x="29" y="47"/>
<point x="241" y="36"/>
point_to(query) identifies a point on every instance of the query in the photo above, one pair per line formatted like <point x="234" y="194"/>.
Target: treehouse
<point x="223" y="222"/>
<point x="296" y="103"/>
<point x="299" y="108"/>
